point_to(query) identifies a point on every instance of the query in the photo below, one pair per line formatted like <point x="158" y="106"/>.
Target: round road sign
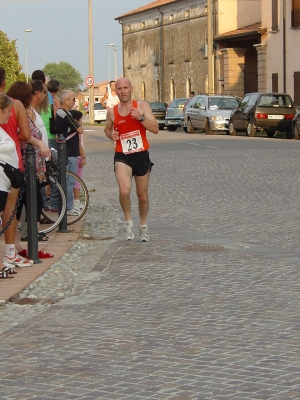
<point x="89" y="81"/>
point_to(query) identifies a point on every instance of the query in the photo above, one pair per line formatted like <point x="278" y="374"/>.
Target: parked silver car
<point x="209" y="112"/>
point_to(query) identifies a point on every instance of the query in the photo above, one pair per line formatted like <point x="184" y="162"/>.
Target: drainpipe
<point x="284" y="46"/>
<point x="161" y="56"/>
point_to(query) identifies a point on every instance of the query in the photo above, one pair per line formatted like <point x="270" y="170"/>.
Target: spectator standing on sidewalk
<point x="126" y="125"/>
<point x="110" y="99"/>
<point x="81" y="161"/>
<point x="18" y="129"/>
<point x="67" y="126"/>
<point x="31" y="95"/>
<point x="8" y="154"/>
<point x="53" y="87"/>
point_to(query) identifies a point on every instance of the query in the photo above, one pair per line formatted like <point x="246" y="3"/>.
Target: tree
<point x="9" y="60"/>
<point x="68" y="77"/>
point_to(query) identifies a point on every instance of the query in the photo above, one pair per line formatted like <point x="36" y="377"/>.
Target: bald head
<point x="124" y="90"/>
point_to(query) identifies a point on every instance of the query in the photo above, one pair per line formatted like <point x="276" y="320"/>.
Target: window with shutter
<point x="295" y="13"/>
<point x="275" y="83"/>
<point x="274" y="15"/>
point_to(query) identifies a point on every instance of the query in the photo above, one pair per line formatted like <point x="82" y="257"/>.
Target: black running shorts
<point x="140" y="162"/>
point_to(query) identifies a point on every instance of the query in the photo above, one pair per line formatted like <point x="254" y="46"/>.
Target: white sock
<point x="143" y="226"/>
<point x="128" y="222"/>
<point x="10" y="250"/>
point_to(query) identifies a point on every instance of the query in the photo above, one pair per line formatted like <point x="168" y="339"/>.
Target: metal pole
<point x="108" y="63"/>
<point x="26" y="55"/>
<point x="115" y="50"/>
<point x="62" y="179"/>
<point x="91" y="62"/>
<point x="31" y="205"/>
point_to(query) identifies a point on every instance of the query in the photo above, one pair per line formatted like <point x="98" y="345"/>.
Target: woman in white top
<point x="8" y="155"/>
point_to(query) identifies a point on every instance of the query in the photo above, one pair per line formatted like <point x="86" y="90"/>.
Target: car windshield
<point x="222" y="103"/>
<point x="157" y="105"/>
<point x="98" y="106"/>
<point x="275" y="100"/>
<point x="179" y="103"/>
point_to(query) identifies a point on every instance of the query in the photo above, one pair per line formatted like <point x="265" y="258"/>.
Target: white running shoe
<point x="144" y="235"/>
<point x="128" y="230"/>
<point x="73" y="212"/>
<point x="17" y="261"/>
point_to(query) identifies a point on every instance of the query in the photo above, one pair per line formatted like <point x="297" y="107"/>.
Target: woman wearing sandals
<point x="30" y="96"/>
<point x="8" y="154"/>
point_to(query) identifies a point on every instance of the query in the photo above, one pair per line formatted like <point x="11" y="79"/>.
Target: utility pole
<point x="91" y="61"/>
<point x="210" y="54"/>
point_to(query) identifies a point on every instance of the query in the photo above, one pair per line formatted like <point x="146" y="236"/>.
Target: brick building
<point x="164" y="49"/>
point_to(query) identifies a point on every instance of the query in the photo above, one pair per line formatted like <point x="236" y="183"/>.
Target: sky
<point x="60" y="33"/>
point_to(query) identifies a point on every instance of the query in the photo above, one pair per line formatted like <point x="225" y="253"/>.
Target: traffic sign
<point x="89" y="81"/>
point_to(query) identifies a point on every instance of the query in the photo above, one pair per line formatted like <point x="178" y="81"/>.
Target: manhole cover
<point x="211" y="247"/>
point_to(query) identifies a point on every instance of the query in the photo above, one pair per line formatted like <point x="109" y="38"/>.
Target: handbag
<point x="16" y="177"/>
<point x="40" y="163"/>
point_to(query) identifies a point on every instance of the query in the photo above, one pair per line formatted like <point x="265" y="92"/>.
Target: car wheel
<point x="208" y="131"/>
<point x="190" y="127"/>
<point x="270" y="134"/>
<point x="185" y="129"/>
<point x="231" y="129"/>
<point x="296" y="133"/>
<point x="250" y="131"/>
<point x="161" y="127"/>
<point x="289" y="134"/>
<point x="172" y="128"/>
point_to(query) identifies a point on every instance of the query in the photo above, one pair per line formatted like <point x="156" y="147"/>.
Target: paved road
<point x="208" y="309"/>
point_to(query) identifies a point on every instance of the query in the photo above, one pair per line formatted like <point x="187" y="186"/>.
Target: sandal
<point x="41" y="238"/>
<point x="41" y="254"/>
<point x="9" y="270"/>
<point x="3" y="275"/>
<point x="45" y="221"/>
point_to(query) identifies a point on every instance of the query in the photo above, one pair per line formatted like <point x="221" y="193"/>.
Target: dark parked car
<point x="269" y="112"/>
<point x="209" y="112"/>
<point x="174" y="114"/>
<point x="159" y="111"/>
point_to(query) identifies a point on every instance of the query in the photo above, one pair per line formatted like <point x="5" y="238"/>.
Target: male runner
<point x="126" y="125"/>
<point x="110" y="98"/>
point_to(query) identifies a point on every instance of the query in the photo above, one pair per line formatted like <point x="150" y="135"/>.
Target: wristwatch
<point x="142" y="118"/>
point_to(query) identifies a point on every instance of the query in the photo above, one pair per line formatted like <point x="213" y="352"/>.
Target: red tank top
<point x="11" y="128"/>
<point x="133" y="137"/>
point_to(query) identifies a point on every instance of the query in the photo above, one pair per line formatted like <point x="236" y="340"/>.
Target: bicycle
<point x="55" y="204"/>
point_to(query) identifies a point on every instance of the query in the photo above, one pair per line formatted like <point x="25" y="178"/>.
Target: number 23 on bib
<point x="132" y="142"/>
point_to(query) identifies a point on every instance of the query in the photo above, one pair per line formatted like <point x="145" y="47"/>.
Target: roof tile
<point x="149" y="6"/>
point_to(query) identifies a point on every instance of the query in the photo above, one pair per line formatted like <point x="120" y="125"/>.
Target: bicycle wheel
<point x="83" y="197"/>
<point x="55" y="206"/>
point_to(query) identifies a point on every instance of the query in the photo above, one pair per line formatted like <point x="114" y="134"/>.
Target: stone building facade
<point x="164" y="49"/>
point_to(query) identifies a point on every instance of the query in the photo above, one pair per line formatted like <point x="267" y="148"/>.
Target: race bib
<point x="131" y="142"/>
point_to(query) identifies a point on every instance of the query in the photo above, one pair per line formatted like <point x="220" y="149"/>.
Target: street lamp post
<point x="115" y="51"/>
<point x="26" y="60"/>
<point x="109" y="46"/>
